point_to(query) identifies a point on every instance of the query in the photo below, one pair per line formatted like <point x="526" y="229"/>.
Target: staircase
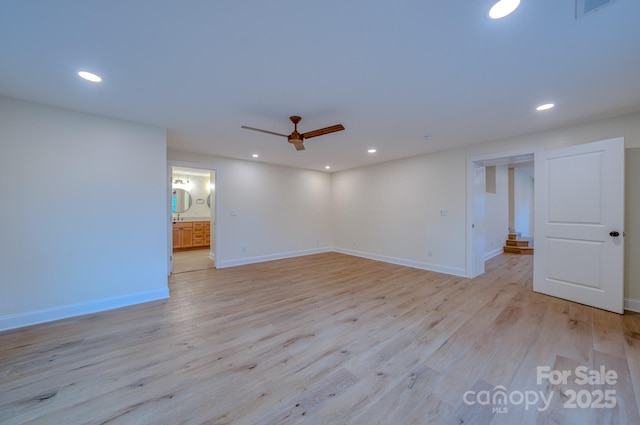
<point x="518" y="245"/>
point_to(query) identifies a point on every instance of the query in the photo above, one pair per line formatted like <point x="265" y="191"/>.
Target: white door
<point x="579" y="217"/>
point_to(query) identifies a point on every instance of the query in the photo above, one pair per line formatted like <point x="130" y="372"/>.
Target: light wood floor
<point x="322" y="339"/>
<point x="191" y="260"/>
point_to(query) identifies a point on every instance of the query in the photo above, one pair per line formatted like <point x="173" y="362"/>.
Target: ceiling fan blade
<point x="322" y="131"/>
<point x="265" y="131"/>
<point x="299" y="146"/>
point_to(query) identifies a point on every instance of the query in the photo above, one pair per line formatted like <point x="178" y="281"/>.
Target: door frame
<point x="474" y="265"/>
<point x="199" y="166"/>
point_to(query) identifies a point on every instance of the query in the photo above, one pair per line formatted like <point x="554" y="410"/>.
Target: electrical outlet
<point x="244" y="249"/>
<point x="430" y="253"/>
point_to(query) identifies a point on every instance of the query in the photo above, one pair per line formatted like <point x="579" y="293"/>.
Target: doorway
<point x="579" y="208"/>
<point x="192" y="234"/>
<point x="481" y="228"/>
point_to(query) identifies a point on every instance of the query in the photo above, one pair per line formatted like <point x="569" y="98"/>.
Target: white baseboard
<point x="489" y="255"/>
<point x="220" y="264"/>
<point x="393" y="260"/>
<point x="402" y="262"/>
<point x="212" y="256"/>
<point x="632" y="304"/>
<point x="89" y="307"/>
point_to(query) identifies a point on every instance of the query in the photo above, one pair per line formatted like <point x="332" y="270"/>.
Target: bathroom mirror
<point x="180" y="201"/>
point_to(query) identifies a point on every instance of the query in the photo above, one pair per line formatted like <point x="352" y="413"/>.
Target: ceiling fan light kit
<point x="296" y="138"/>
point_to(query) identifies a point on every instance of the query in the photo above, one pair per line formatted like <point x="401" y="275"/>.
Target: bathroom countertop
<point x="188" y="219"/>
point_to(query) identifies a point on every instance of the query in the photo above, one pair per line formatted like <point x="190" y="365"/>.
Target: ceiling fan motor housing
<point x="295" y="137"/>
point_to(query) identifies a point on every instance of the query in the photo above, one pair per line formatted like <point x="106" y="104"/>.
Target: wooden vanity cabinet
<point x="207" y="233"/>
<point x="182" y="235"/>
<point x="191" y="234"/>
<point x="198" y="233"/>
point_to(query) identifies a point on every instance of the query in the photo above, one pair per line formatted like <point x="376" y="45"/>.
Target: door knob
<point x="614" y="234"/>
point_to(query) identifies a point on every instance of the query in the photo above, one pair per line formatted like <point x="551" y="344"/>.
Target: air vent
<point x="585" y="7"/>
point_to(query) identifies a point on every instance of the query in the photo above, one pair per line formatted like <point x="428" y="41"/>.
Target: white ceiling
<point x="185" y="171"/>
<point x="391" y="71"/>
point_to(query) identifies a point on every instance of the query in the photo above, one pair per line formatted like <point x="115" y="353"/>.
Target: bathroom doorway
<point x="192" y="235"/>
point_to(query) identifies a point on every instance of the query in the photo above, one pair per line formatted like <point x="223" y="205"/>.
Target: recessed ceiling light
<point x="545" y="107"/>
<point x="327" y="167"/>
<point x="255" y="155"/>
<point x="90" y="76"/>
<point x="503" y="8"/>
<point x="372" y="151"/>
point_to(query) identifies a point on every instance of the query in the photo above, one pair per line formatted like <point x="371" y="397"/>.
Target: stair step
<point x="514" y="235"/>
<point x="520" y="242"/>
<point x="518" y="249"/>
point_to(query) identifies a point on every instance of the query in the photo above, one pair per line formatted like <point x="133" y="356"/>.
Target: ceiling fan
<point x="296" y="138"/>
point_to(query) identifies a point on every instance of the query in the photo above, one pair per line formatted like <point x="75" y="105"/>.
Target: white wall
<point x="83" y="225"/>
<point x="497" y="213"/>
<point x="390" y="211"/>
<point x="523" y="202"/>
<point x="264" y="211"/>
<point x="632" y="224"/>
<point x="199" y="189"/>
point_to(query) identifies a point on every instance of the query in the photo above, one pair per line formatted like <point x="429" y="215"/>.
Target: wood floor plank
<point x="517" y="330"/>
<point x="191" y="260"/>
<point x="626" y="410"/>
<point x="608" y="336"/>
<point x="326" y="338"/>
<point x="561" y="408"/>
<point x="475" y="413"/>
<point x="631" y="330"/>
